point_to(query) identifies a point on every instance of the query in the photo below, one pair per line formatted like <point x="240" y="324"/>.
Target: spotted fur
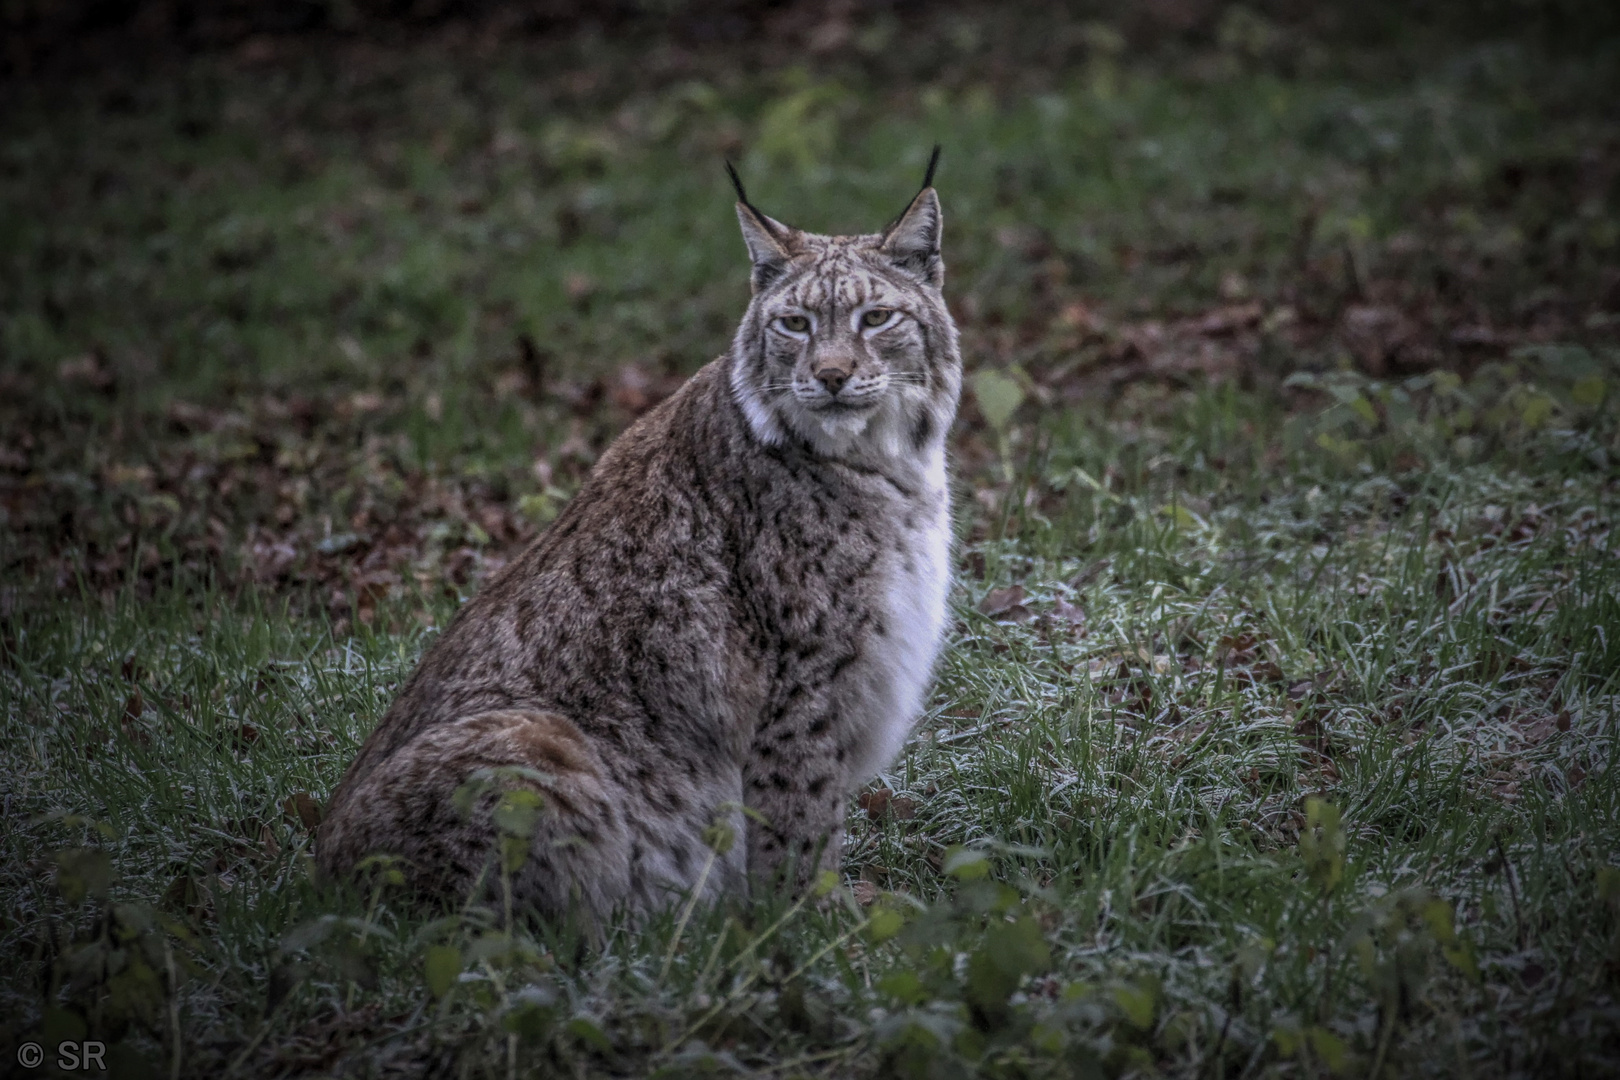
<point x="740" y="608"/>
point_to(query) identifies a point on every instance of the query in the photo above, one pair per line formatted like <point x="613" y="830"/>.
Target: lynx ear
<point x="913" y="241"/>
<point x="768" y="240"/>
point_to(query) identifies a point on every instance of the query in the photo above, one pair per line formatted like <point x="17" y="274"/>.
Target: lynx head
<point x="847" y="344"/>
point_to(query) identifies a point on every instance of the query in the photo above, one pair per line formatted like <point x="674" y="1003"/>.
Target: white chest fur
<point x="895" y="676"/>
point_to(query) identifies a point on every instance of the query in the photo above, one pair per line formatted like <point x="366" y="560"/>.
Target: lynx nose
<point x="833" y="376"/>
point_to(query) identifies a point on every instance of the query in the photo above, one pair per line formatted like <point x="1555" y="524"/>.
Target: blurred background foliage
<point x="496" y="232"/>
<point x="46" y="32"/>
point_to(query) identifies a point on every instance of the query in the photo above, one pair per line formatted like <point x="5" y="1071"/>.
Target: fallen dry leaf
<point x="1266" y="671"/>
<point x="998" y="601"/>
<point x="89" y="370"/>
<point x="302" y="807"/>
<point x="1069" y="613"/>
<point x="875" y="802"/>
<point x="1227" y="320"/>
<point x="1006" y="604"/>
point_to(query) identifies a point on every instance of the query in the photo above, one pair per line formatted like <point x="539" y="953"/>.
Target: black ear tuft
<point x="772" y="226"/>
<point x="736" y="182"/>
<point x="928" y="182"/>
<point x="769" y="241"/>
<point x="912" y="239"/>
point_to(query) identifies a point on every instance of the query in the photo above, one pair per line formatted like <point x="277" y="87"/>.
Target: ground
<point x="1275" y="735"/>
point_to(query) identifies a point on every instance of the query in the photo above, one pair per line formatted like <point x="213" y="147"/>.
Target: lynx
<point x="734" y="620"/>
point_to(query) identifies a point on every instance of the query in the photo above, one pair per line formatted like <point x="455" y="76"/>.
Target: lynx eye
<point x="794" y="324"/>
<point x="876" y="317"/>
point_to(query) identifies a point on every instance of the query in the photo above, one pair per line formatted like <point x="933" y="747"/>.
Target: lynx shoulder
<point x="741" y="608"/>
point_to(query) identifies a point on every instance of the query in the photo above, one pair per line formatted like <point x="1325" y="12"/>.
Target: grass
<point x="1276" y="732"/>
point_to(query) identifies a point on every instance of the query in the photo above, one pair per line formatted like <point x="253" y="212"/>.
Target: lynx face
<point x="839" y="340"/>
<point x="847" y="343"/>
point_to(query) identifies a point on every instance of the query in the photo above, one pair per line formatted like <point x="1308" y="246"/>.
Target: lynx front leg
<point x="795" y="780"/>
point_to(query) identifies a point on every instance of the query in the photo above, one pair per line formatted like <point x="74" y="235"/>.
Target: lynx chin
<point x="741" y="608"/>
